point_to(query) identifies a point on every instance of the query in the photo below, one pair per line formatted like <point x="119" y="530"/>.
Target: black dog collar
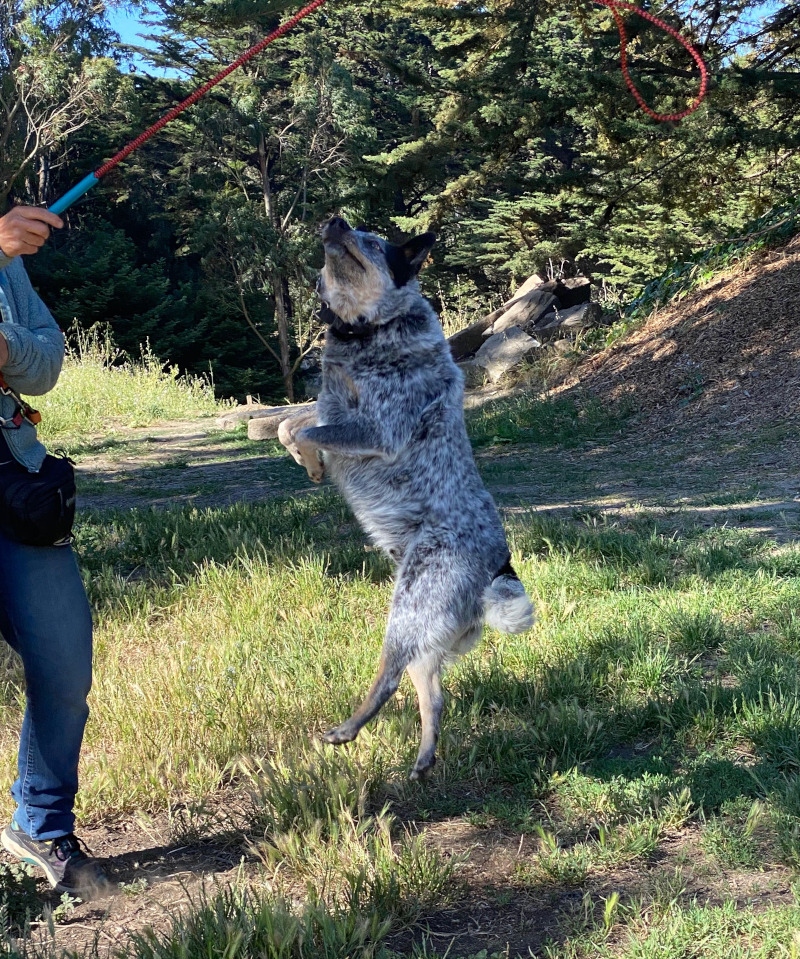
<point x="362" y="329"/>
<point x="359" y="329"/>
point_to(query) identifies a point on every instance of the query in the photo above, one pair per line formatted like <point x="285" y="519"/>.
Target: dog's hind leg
<point x="426" y="676"/>
<point x="383" y="688"/>
<point x="435" y="603"/>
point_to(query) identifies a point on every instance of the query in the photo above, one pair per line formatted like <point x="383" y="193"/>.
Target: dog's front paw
<point x="286" y="433"/>
<point x="315" y="468"/>
<point x="338" y="736"/>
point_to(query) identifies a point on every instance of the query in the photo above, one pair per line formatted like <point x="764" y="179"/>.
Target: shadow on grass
<point x="169" y="545"/>
<point x="506" y="741"/>
<point x="163" y="547"/>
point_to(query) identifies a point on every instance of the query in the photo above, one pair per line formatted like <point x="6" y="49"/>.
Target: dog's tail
<point x="506" y="604"/>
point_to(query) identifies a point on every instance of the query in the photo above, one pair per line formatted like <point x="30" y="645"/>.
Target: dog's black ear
<point x="416" y="250"/>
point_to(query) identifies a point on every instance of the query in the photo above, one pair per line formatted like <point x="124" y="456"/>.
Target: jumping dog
<point x="389" y="430"/>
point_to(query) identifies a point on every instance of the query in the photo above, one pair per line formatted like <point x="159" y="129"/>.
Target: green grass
<point x="642" y="740"/>
<point x="101" y="389"/>
<point x="525" y="419"/>
<point x="249" y="629"/>
<point x="657" y="664"/>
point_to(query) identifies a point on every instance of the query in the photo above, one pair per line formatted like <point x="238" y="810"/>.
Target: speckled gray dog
<point x="389" y="431"/>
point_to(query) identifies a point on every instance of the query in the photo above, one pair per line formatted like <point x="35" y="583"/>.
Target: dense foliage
<point x="504" y="126"/>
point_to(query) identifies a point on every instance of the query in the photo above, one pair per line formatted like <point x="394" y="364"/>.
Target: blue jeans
<point x="45" y="617"/>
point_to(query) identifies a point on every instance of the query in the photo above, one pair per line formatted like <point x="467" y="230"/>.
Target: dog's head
<point x="365" y="277"/>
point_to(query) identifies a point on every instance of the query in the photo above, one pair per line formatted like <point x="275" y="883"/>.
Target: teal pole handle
<point x="74" y="194"/>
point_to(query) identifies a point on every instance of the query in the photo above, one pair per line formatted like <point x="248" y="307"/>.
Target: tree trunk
<point x="283" y="316"/>
<point x="280" y="285"/>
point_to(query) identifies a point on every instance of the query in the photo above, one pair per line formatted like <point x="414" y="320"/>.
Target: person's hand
<point x="24" y="229"/>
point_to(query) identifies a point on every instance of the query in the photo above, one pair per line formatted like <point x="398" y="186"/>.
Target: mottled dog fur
<point x="389" y="431"/>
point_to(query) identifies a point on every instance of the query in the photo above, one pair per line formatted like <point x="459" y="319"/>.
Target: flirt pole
<point x="86" y="184"/>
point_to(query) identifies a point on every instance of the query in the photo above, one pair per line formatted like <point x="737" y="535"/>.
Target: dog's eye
<point x="374" y="245"/>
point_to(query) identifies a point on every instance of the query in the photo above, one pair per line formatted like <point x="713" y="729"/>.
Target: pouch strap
<point x="23" y="411"/>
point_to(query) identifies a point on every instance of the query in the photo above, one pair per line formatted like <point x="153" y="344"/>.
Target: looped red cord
<point x="613" y="6"/>
<point x="202" y="91"/>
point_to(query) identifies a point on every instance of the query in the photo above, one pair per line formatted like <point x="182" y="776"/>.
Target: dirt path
<point x="182" y="462"/>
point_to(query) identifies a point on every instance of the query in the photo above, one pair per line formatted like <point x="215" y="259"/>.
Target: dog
<point x="389" y="430"/>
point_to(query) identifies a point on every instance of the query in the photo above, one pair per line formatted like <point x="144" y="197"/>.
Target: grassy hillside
<point x="100" y="390"/>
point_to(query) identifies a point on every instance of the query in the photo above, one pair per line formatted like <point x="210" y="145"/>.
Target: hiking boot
<point x="66" y="865"/>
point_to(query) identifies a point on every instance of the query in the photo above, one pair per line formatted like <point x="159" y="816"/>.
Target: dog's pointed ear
<point x="416" y="250"/>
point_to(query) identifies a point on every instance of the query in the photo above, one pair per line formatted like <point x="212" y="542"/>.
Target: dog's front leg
<point x="306" y="454"/>
<point x="352" y="438"/>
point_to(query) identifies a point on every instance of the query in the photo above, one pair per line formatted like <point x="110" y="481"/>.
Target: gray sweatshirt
<point x="35" y="354"/>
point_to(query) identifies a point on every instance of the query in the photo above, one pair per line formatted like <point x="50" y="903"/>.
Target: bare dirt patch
<point x="155" y="876"/>
<point x="727" y="355"/>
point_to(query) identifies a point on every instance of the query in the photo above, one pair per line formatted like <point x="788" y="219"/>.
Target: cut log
<point x="503" y="351"/>
<point x="547" y="325"/>
<point x="574" y="291"/>
<point x="551" y="286"/>
<point x="581" y="317"/>
<point x="571" y="291"/>
<point x="525" y="311"/>
<point x="265" y="427"/>
<point x="231" y="419"/>
<point x="530" y="284"/>
<point x="564" y="322"/>
<point x="466" y="341"/>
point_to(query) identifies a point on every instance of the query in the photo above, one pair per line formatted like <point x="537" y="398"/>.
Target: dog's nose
<point x="336" y="225"/>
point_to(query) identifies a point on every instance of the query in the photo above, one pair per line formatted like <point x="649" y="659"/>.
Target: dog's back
<point x="391" y="427"/>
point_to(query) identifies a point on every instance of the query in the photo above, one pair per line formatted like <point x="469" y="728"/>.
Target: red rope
<point x="613" y="6"/>
<point x="202" y="91"/>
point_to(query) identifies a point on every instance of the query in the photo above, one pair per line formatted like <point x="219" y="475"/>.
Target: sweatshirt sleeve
<point x="35" y="343"/>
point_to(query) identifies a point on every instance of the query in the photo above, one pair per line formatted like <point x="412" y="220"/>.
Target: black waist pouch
<point x="37" y="509"/>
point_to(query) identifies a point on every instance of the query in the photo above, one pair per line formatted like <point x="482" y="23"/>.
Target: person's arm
<point x="30" y="355"/>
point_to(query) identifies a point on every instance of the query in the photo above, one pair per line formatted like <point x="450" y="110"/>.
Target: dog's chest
<point x="380" y="376"/>
<point x="355" y="376"/>
<point x="341" y="391"/>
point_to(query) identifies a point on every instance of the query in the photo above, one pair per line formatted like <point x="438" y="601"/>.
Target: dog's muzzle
<point x="335" y="229"/>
